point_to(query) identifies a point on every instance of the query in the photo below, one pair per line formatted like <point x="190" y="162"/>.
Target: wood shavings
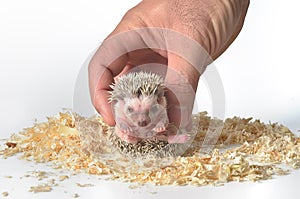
<point x="75" y="195"/>
<point x="133" y="186"/>
<point x="5" y="194"/>
<point x="40" y="188"/>
<point x="63" y="177"/>
<point x="247" y="150"/>
<point x="40" y="174"/>
<point x="84" y="185"/>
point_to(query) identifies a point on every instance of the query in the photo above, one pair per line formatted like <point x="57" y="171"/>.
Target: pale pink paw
<point x="132" y="140"/>
<point x="160" y="127"/>
<point x="183" y="138"/>
<point x="125" y="129"/>
<point x="127" y="138"/>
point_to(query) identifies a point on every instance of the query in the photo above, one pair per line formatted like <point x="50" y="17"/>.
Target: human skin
<point x="214" y="24"/>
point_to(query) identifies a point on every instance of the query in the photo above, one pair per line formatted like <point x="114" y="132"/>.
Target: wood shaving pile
<point x="247" y="150"/>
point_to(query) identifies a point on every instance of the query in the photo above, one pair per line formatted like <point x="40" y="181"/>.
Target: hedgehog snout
<point x="142" y="123"/>
<point x="143" y="120"/>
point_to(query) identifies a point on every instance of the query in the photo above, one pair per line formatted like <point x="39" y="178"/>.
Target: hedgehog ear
<point x="160" y="96"/>
<point x="159" y="93"/>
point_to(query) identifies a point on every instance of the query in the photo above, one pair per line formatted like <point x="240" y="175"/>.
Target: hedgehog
<point x="140" y="109"/>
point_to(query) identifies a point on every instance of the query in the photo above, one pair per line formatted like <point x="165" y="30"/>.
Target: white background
<point x="43" y="45"/>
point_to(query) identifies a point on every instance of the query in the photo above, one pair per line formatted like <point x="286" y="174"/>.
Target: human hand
<point x="182" y="35"/>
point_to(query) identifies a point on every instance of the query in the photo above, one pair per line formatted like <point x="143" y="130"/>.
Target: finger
<point x="181" y="82"/>
<point x="100" y="79"/>
<point x="126" y="69"/>
<point x="179" y="111"/>
<point x="103" y="107"/>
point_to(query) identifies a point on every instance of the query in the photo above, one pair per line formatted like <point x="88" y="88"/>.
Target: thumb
<point x="181" y="84"/>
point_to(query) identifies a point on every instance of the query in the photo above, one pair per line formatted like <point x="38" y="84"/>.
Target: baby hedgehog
<point x="140" y="108"/>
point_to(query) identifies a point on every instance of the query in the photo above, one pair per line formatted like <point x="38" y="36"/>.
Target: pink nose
<point x="142" y="123"/>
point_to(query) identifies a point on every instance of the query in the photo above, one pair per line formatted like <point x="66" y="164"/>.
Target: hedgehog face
<point x="137" y="110"/>
<point x="141" y="111"/>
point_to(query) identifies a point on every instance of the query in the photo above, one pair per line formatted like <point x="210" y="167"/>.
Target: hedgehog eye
<point x="130" y="109"/>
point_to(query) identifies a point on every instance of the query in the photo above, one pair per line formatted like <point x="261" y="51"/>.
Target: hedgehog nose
<point x="142" y="123"/>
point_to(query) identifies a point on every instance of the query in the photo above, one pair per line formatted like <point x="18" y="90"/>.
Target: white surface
<point x="18" y="186"/>
<point x="43" y="45"/>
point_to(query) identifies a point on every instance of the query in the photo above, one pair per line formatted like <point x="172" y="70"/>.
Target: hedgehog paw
<point x="160" y="127"/>
<point x="131" y="139"/>
<point x="125" y="137"/>
<point x="125" y="129"/>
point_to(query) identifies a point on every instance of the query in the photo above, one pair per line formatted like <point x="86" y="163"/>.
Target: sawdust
<point x="247" y="150"/>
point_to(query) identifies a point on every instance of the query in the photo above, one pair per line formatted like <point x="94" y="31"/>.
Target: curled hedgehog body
<point x="140" y="108"/>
